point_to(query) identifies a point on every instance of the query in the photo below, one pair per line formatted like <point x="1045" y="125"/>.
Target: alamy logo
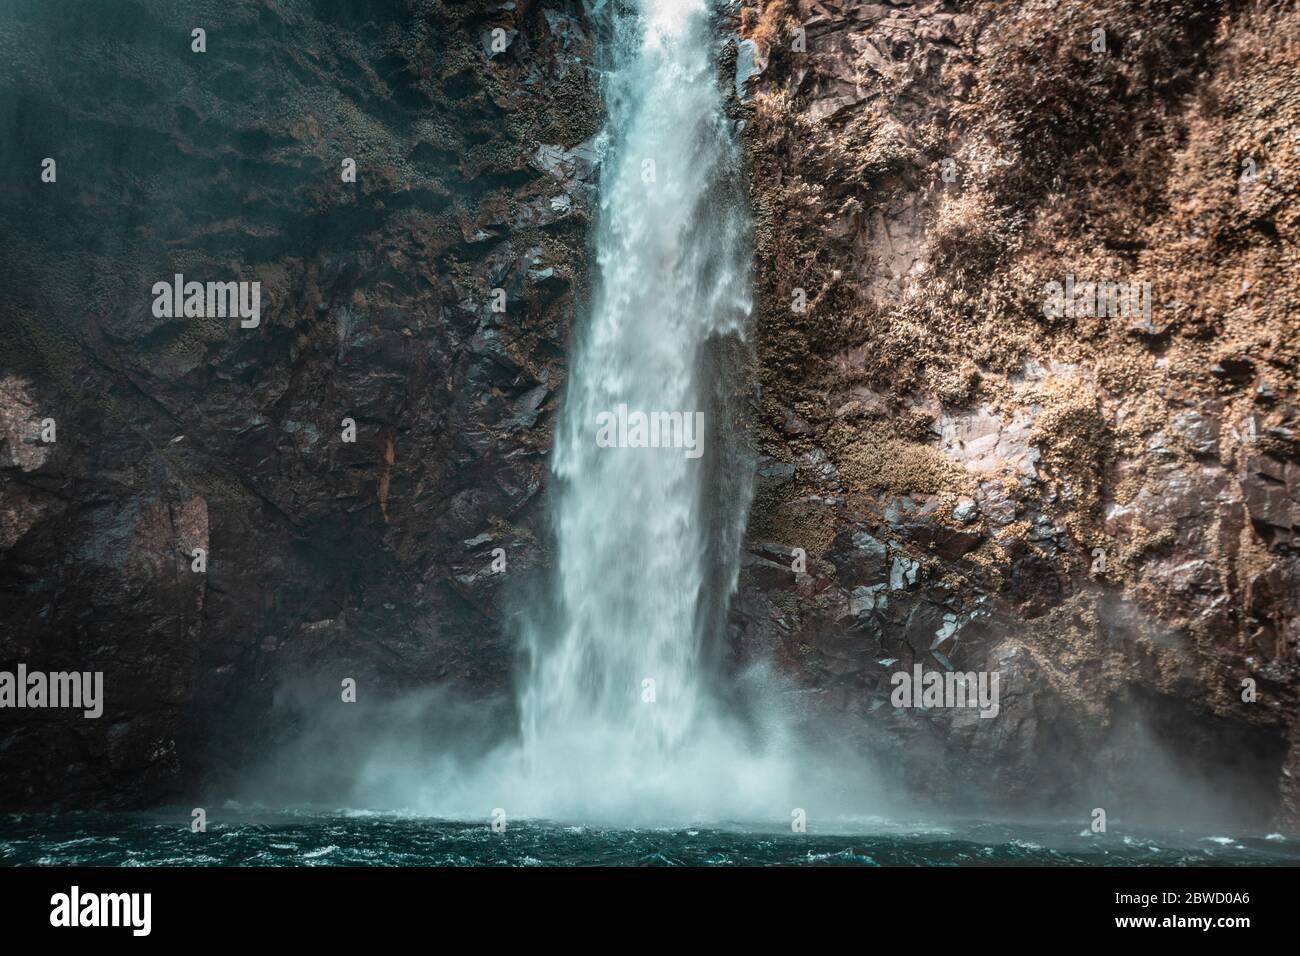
<point x="624" y="429"/>
<point x="103" y="909"/>
<point x="59" y="689"/>
<point x="946" y="689"/>
<point x="1096" y="299"/>
<point x="214" y="300"/>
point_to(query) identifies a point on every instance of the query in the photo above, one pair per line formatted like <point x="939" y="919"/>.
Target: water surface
<point x="358" y="838"/>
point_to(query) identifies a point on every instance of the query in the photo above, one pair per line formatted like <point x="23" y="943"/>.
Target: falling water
<point x="621" y="712"/>
<point x="616" y="701"/>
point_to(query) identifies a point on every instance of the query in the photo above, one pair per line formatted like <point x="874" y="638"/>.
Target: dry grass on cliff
<point x="1067" y="154"/>
<point x="1123" y="165"/>
<point x="1077" y="444"/>
<point x="765" y="25"/>
<point x="875" y="458"/>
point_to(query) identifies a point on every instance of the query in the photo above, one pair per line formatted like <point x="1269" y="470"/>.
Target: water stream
<point x="620" y="690"/>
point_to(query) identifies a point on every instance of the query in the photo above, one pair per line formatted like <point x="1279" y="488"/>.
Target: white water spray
<point x="619" y="717"/>
<point x="616" y="709"/>
<point x="631" y="542"/>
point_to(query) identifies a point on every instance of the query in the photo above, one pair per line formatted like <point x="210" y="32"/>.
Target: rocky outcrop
<point x="325" y="558"/>
<point x="1097" y="502"/>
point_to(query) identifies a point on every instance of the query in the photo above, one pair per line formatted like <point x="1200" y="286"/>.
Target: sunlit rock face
<point x="1100" y="506"/>
<point x="325" y="559"/>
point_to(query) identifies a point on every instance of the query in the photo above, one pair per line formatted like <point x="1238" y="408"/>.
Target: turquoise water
<point x="367" y="839"/>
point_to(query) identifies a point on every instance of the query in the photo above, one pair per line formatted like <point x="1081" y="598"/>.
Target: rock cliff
<point x="1094" y="495"/>
<point x="368" y="559"/>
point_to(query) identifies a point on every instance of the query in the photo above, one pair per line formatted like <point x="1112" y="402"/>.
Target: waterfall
<point x="624" y="714"/>
<point x="617" y="698"/>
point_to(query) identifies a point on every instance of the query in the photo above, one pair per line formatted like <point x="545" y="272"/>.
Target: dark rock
<point x="966" y="511"/>
<point x="1237" y="370"/>
<point x="376" y="306"/>
<point x="1271" y="490"/>
<point x="1200" y="433"/>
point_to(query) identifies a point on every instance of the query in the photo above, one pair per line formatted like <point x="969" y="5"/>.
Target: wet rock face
<point x="379" y="304"/>
<point x="1098" y="504"/>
